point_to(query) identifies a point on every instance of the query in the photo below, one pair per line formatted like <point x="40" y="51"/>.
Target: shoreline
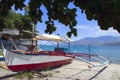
<point x="77" y="70"/>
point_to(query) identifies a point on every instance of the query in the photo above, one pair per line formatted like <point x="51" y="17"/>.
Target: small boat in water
<point x="24" y="60"/>
<point x="2" y="58"/>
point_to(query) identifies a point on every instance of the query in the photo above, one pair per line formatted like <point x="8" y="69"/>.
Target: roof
<point x="10" y="31"/>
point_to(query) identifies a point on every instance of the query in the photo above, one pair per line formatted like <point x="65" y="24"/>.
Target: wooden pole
<point x="89" y="52"/>
<point x="32" y="39"/>
<point x="69" y="46"/>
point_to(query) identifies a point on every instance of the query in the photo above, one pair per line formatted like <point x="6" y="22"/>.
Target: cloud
<point x="109" y="32"/>
<point x="95" y="31"/>
<point x="84" y="27"/>
<point x="82" y="30"/>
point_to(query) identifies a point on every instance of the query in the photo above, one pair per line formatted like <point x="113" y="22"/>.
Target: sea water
<point x="112" y="53"/>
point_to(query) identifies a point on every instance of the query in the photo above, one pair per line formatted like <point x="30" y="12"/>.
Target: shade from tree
<point x="106" y="12"/>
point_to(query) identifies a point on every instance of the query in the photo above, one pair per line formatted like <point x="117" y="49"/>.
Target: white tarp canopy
<point x="66" y="39"/>
<point x="52" y="38"/>
<point x="48" y="37"/>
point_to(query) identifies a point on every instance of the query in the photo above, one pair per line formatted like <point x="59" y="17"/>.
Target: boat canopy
<point x="48" y="37"/>
<point x="66" y="39"/>
<point x="52" y="38"/>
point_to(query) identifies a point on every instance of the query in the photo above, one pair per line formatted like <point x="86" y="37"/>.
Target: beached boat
<point x="21" y="62"/>
<point x="30" y="59"/>
<point x="24" y="60"/>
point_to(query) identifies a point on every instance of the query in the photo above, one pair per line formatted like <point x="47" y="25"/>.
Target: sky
<point x="84" y="27"/>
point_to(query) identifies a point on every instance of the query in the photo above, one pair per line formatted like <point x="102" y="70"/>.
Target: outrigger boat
<point x="24" y="60"/>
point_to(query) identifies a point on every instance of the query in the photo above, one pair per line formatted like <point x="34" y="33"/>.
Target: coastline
<point x="77" y="70"/>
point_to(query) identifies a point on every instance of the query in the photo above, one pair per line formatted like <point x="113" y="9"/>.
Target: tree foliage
<point x="106" y="12"/>
<point x="16" y="21"/>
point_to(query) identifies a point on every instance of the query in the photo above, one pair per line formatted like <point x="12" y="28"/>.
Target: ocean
<point x="112" y="53"/>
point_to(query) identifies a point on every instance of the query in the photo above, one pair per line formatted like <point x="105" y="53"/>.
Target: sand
<point x="77" y="70"/>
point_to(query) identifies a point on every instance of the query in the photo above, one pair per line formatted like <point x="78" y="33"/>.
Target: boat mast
<point x="57" y="44"/>
<point x="32" y="37"/>
<point x="69" y="46"/>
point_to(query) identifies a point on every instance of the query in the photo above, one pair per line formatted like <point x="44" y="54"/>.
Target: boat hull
<point x="38" y="66"/>
<point x="19" y="62"/>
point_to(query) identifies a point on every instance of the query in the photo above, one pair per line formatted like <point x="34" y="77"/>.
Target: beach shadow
<point x="8" y="76"/>
<point x="98" y="73"/>
<point x="77" y="73"/>
<point x="39" y="74"/>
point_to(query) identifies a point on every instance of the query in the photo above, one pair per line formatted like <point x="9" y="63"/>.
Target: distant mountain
<point x="113" y="44"/>
<point x="103" y="40"/>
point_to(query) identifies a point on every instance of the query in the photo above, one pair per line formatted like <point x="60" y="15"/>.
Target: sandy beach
<point x="77" y="70"/>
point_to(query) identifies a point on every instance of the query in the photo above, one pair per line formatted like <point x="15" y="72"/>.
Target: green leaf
<point x="69" y="34"/>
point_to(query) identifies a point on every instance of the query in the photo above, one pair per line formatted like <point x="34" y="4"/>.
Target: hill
<point x="102" y="40"/>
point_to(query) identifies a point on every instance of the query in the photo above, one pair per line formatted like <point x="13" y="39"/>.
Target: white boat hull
<point x="19" y="62"/>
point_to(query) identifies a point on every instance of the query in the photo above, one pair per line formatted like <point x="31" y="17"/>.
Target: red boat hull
<point x="38" y="66"/>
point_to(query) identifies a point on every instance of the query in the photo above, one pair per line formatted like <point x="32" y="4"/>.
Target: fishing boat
<point x="29" y="59"/>
<point x="24" y="60"/>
